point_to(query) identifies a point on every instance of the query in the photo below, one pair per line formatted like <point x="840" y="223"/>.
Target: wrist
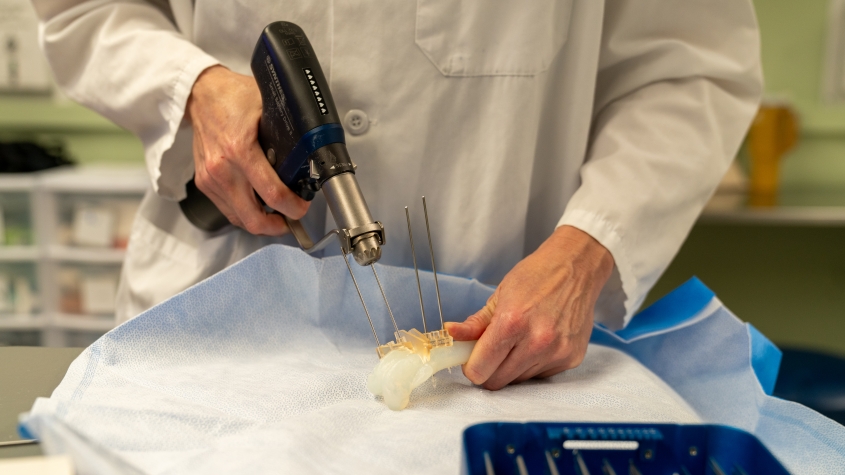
<point x="585" y="253"/>
<point x="204" y="86"/>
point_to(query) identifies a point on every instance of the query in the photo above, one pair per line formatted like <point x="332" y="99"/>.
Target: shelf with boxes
<point x="62" y="239"/>
<point x="819" y="207"/>
<point x="21" y="318"/>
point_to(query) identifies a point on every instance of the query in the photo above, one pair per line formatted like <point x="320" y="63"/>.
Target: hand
<point x="230" y="167"/>
<point x="538" y="321"/>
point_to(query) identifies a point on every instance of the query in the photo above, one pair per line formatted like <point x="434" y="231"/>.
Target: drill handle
<point x="299" y="120"/>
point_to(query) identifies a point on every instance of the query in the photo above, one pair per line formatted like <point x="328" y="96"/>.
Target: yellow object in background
<point x="773" y="133"/>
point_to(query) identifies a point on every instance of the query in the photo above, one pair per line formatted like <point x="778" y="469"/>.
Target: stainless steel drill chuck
<point x="351" y="214"/>
<point x="356" y="230"/>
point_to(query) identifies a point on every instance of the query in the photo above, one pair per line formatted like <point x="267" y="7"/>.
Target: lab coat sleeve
<point x="678" y="84"/>
<point x="127" y="61"/>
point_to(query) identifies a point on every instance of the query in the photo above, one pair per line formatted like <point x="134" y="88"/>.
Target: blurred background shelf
<point x="83" y="322"/>
<point x="74" y="223"/>
<point x="18" y="253"/>
<point x="16" y="182"/>
<point x="22" y="322"/>
<point x="96" y="180"/>
<point x="824" y="207"/>
<point x="798" y="216"/>
<point x="85" y="254"/>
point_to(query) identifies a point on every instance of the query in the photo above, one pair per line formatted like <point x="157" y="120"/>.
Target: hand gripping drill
<point x="303" y="141"/>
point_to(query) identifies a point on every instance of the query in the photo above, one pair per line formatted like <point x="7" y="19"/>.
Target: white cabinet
<point x="62" y="243"/>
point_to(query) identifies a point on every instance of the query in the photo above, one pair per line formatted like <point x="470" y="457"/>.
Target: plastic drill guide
<point x="498" y="448"/>
<point x="416" y="342"/>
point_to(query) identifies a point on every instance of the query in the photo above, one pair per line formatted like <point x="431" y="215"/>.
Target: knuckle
<point x="203" y="182"/>
<point x="214" y="167"/>
<point x="569" y="357"/>
<point x="543" y="339"/>
<point x="575" y="359"/>
<point x="201" y="176"/>
<point x="232" y="217"/>
<point x="511" y="324"/>
<point x="252" y="225"/>
<point x="275" y="197"/>
<point x="476" y="320"/>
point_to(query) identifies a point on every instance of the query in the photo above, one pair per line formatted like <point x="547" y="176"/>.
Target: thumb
<point x="475" y="324"/>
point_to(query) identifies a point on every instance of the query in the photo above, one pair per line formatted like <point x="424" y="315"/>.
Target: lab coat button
<point x="356" y="122"/>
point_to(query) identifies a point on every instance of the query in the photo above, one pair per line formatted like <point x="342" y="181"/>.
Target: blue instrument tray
<point x="560" y="448"/>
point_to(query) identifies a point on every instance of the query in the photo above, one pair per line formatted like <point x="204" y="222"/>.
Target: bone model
<point x="406" y="367"/>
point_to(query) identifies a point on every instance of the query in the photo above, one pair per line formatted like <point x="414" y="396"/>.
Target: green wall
<point x="789" y="281"/>
<point x="793" y="38"/>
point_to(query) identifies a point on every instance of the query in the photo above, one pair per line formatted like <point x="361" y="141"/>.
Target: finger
<point x="519" y="361"/>
<point x="473" y="327"/>
<point x="267" y="184"/>
<point x="492" y="348"/>
<point x="557" y="365"/>
<point x="487" y="355"/>
<point x="224" y="207"/>
<point x="234" y="196"/>
<point x="560" y="365"/>
<point x="251" y="213"/>
<point x="528" y="374"/>
<point x="206" y="184"/>
<point x="548" y="373"/>
<point x="573" y="360"/>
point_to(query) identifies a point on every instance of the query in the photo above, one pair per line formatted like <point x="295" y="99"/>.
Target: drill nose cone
<point x="367" y="251"/>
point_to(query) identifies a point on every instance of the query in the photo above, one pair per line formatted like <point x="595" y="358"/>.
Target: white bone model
<point x="410" y="361"/>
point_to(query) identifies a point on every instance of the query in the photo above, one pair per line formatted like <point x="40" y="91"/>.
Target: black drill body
<point x="299" y="131"/>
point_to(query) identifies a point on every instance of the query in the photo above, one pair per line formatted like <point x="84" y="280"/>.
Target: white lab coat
<point x="512" y="117"/>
